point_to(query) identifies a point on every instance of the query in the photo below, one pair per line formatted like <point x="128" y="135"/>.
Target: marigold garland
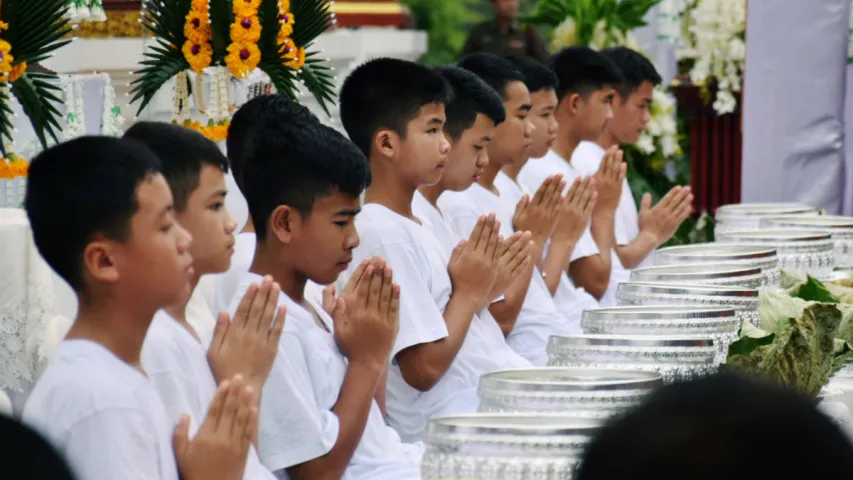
<point x="287" y="19"/>
<point x="216" y="132"/>
<point x="6" y="59"/>
<point x="13" y="167"/>
<point x="243" y="52"/>
<point x="197" y="49"/>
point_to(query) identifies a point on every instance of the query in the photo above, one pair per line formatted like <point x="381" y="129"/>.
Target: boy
<point x="394" y="112"/>
<point x="318" y="415"/>
<point x="183" y="371"/>
<point x="527" y="315"/>
<point x="472" y="116"/>
<point x="585" y="92"/>
<point x="241" y="128"/>
<point x="570" y="238"/>
<point x="636" y="235"/>
<point x="102" y="217"/>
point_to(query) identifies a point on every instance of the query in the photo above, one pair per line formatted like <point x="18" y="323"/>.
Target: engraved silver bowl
<point x="841" y="229"/>
<point x="728" y="254"/>
<point x="675" y="357"/>
<point x="747" y="216"/>
<point x="743" y="300"/>
<point x="714" y="274"/>
<point x="720" y="323"/>
<point x="506" y="446"/>
<point x="588" y="392"/>
<point x="803" y="251"/>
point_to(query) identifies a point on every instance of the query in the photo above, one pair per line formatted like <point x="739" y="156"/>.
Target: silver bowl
<point x="506" y="446"/>
<point x="743" y="300"/>
<point x="714" y="274"/>
<point x="803" y="251"/>
<point x="720" y="323"/>
<point x="582" y="391"/>
<point x="675" y="357"/>
<point x="728" y="254"/>
<point x="747" y="216"/>
<point x="841" y="229"/>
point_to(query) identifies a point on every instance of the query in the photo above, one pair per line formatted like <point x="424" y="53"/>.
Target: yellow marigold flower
<point x="246" y="8"/>
<point x="197" y="27"/>
<point x="4" y="26"/>
<point x="5" y="170"/>
<point x="287" y="20"/>
<point x="288" y="49"/>
<point x="298" y="62"/>
<point x="242" y="58"/>
<point x="17" y="71"/>
<point x="284" y="5"/>
<point x="246" y="30"/>
<point x="200" y="5"/>
<point x="198" y="55"/>
<point x="6" y="58"/>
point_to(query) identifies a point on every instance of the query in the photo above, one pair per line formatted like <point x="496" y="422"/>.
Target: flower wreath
<point x="242" y="36"/>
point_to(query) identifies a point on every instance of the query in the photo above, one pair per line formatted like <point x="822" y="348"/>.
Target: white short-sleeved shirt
<point x="297" y="423"/>
<point x="494" y="352"/>
<point x="225" y="284"/>
<point x="533" y="174"/>
<point x="569" y="299"/>
<point x="103" y="415"/>
<point x="176" y="363"/>
<point x="539" y="317"/>
<point x="587" y="159"/>
<point x="420" y="268"/>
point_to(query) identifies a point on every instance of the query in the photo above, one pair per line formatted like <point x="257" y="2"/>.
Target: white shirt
<point x="569" y="299"/>
<point x="419" y="263"/>
<point x="297" y="423"/>
<point x="539" y="317"/>
<point x="495" y="353"/>
<point x="103" y="415"/>
<point x="225" y="284"/>
<point x="533" y="174"/>
<point x="176" y="363"/>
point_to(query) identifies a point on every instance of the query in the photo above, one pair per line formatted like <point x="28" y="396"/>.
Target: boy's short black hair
<point x="294" y="162"/>
<point x="81" y="188"/>
<point x="537" y="76"/>
<point x="496" y="71"/>
<point x="635" y="68"/>
<point x="719" y="427"/>
<point x="182" y="153"/>
<point x="471" y="96"/>
<point x="253" y="112"/>
<point x="387" y="93"/>
<point x="28" y="455"/>
<point x="582" y="70"/>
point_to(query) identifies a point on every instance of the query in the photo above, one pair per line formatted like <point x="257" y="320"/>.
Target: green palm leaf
<point x="221" y="18"/>
<point x="38" y="103"/>
<point x="313" y="17"/>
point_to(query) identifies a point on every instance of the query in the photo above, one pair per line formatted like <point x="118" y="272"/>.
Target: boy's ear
<point x="100" y="260"/>
<point x="283" y="221"/>
<point x="386" y="142"/>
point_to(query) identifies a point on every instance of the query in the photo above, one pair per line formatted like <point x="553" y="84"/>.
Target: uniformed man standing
<point x="503" y="36"/>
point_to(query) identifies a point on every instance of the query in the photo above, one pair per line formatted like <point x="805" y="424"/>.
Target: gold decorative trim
<point x="356" y="8"/>
<point x="121" y="24"/>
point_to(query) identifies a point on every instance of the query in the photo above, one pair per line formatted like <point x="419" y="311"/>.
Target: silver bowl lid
<point x="562" y="379"/>
<point x="752" y="210"/>
<point x="702" y="289"/>
<point x="834" y="222"/>
<point x="777" y="235"/>
<point x="717" y="252"/>
<point x="644" y="341"/>
<point x="513" y="424"/>
<point x="658" y="312"/>
<point x="694" y="271"/>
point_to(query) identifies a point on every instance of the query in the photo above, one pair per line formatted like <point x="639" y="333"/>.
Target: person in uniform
<point x="504" y="36"/>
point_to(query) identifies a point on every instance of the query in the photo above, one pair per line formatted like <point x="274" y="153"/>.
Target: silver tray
<point x="743" y="300"/>
<point x="805" y="251"/>
<point x="716" y="274"/>
<point x="583" y="391"/>
<point x="746" y="216"/>
<point x="840" y="227"/>
<point x="675" y="357"/>
<point x="728" y="254"/>
<point x="513" y="446"/>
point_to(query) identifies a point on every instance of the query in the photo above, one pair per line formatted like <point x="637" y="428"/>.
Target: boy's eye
<point x="432" y="130"/>
<point x="166" y="228"/>
<point x="217" y="206"/>
<point x="478" y="147"/>
<point x="342" y="223"/>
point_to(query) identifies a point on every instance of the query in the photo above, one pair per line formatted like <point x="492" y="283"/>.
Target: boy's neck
<point x="512" y="171"/>
<point x="487" y="178"/>
<point x="249" y="227"/>
<point x="432" y="192"/>
<point x="606" y="139"/>
<point x="566" y="144"/>
<point x="116" y="324"/>
<point x="273" y="261"/>
<point x="179" y="312"/>
<point x="388" y="189"/>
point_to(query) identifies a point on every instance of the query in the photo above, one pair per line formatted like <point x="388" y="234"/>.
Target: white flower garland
<point x="112" y="121"/>
<point x="714" y="41"/>
<point x="669" y="17"/>
<point x="75" y="120"/>
<point x="86" y="10"/>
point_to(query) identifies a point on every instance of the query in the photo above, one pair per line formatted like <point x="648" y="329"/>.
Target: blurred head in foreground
<point x="720" y="427"/>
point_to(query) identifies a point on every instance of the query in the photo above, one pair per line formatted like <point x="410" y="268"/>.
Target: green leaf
<point x="221" y="18"/>
<point x="815" y="291"/>
<point x="746" y="345"/>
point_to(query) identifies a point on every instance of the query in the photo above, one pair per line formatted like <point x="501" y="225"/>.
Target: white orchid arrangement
<point x="713" y="41"/>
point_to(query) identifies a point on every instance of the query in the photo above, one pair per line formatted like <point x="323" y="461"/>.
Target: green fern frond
<point x="34" y="96"/>
<point x="313" y="17"/>
<point x="159" y="70"/>
<point x="320" y="82"/>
